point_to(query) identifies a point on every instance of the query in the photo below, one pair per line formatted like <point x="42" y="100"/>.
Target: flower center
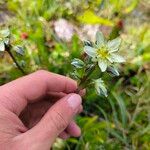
<point x="102" y="52"/>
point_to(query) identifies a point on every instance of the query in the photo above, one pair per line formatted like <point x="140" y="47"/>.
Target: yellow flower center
<point x="102" y="52"/>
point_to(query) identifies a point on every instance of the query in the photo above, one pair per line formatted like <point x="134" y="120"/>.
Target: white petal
<point x="117" y="58"/>
<point x="90" y="51"/>
<point x="102" y="65"/>
<point x="110" y="59"/>
<point x="100" y="38"/>
<point x="113" y="45"/>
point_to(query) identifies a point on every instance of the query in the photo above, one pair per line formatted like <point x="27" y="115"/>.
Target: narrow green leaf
<point x="132" y="6"/>
<point x="114" y="112"/>
<point x="112" y="71"/>
<point x="118" y="136"/>
<point x="88" y="43"/>
<point x="74" y="76"/>
<point x="77" y="63"/>
<point x="122" y="107"/>
<point x="100" y="87"/>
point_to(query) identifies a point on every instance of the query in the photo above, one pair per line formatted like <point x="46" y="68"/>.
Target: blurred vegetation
<point x="122" y="121"/>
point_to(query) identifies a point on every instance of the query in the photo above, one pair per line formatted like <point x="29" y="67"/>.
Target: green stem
<point x="84" y="79"/>
<point x="15" y="61"/>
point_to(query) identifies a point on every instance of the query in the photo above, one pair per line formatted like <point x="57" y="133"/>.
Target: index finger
<point x="31" y="87"/>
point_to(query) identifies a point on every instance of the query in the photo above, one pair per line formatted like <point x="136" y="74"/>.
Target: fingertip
<point x="80" y="109"/>
<point x="74" y="101"/>
<point x="71" y="85"/>
<point x="73" y="129"/>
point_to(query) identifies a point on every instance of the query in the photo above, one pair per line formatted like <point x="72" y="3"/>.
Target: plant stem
<point x="15" y="61"/>
<point x="84" y="79"/>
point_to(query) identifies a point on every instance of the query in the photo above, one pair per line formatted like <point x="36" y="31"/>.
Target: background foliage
<point x="122" y="121"/>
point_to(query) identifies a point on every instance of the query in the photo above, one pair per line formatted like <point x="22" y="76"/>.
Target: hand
<point x="36" y="109"/>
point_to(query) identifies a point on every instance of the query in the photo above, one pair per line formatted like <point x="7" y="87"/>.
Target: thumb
<point x="54" y="121"/>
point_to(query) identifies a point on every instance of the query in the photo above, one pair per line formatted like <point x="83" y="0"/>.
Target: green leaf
<point x="146" y="56"/>
<point x="132" y="6"/>
<point x="100" y="87"/>
<point x="77" y="63"/>
<point x="74" y="75"/>
<point x="122" y="106"/>
<point x="118" y="136"/>
<point x="90" y="18"/>
<point x="2" y="46"/>
<point x="77" y="74"/>
<point x="22" y="63"/>
<point x="88" y="43"/>
<point x="112" y="71"/>
<point x="19" y="50"/>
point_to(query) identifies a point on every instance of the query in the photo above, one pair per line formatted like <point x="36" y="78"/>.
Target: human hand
<point x="36" y="109"/>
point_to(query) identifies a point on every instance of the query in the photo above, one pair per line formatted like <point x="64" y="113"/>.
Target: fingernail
<point x="74" y="101"/>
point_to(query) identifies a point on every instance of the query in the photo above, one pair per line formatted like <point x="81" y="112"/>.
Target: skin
<point x="36" y="109"/>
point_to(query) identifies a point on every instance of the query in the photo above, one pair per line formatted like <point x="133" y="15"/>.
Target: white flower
<point x="64" y="29"/>
<point x="104" y="52"/>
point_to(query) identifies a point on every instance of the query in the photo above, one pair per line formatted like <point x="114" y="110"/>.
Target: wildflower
<point x="104" y="52"/>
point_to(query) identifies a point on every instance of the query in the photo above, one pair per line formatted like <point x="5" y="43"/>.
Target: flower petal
<point x="90" y="51"/>
<point x="77" y="63"/>
<point x="110" y="59"/>
<point x="102" y="65"/>
<point x="113" y="45"/>
<point x="100" y="38"/>
<point x="117" y="58"/>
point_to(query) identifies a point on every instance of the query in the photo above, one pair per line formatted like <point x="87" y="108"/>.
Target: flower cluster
<point x="103" y="54"/>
